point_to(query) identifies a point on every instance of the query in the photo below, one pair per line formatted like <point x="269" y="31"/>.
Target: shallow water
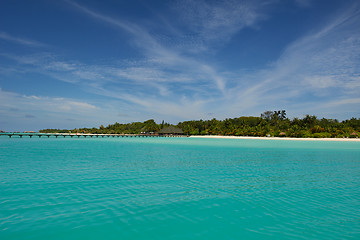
<point x="178" y="188"/>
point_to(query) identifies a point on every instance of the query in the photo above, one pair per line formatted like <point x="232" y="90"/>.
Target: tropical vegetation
<point x="270" y="123"/>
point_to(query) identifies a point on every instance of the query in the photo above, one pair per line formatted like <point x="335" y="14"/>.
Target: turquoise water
<point x="178" y="188"/>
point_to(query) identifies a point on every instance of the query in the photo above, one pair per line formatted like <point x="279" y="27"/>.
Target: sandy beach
<point x="281" y="138"/>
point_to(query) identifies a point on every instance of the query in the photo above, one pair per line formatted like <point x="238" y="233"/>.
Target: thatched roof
<point x="171" y="130"/>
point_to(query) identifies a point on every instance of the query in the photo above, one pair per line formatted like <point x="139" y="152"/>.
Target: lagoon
<point x="178" y="188"/>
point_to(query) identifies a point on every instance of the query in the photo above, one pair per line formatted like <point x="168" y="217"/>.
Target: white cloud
<point x="22" y="41"/>
<point x="348" y="101"/>
<point x="23" y="112"/>
<point x="303" y="3"/>
<point x="326" y="59"/>
<point x="61" y="66"/>
<point x="10" y="100"/>
<point x="214" y="22"/>
<point x="320" y="82"/>
<point x="321" y="67"/>
<point x="219" y="20"/>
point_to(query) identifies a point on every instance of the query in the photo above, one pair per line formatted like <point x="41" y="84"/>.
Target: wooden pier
<point x="83" y="135"/>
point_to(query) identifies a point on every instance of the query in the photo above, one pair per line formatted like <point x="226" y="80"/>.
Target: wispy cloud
<point x="22" y="102"/>
<point x="347" y="101"/>
<point x="214" y="23"/>
<point x="320" y="67"/>
<point x="39" y="112"/>
<point x="219" y="20"/>
<point x="140" y="35"/>
<point x="323" y="63"/>
<point x="317" y="71"/>
<point x="19" y="40"/>
<point x="303" y="3"/>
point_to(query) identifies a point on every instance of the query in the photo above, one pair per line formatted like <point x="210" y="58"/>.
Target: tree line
<point x="270" y="123"/>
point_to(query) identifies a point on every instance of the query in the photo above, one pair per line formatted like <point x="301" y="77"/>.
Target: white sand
<point x="281" y="138"/>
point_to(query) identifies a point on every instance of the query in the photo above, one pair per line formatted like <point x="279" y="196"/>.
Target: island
<point x="269" y="124"/>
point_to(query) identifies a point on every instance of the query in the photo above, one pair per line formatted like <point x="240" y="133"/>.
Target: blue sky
<point x="71" y="64"/>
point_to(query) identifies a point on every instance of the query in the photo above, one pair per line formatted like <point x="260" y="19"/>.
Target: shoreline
<point x="279" y="138"/>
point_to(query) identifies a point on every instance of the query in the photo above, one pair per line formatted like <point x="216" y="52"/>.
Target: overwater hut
<point x="171" y="130"/>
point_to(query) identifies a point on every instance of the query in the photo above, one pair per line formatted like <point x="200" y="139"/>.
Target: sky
<point x="76" y="63"/>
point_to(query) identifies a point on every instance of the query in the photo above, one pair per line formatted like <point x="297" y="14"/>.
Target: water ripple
<point x="178" y="189"/>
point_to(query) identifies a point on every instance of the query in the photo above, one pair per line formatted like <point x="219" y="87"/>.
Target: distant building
<point x="171" y="130"/>
<point x="282" y="134"/>
<point x="29" y="132"/>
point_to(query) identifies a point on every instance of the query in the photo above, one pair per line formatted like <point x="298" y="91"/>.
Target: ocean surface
<point x="178" y="188"/>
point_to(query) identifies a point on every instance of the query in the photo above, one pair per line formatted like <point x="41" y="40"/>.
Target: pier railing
<point x="84" y="135"/>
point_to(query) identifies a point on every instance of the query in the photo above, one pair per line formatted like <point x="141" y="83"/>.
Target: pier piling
<point x="56" y="135"/>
